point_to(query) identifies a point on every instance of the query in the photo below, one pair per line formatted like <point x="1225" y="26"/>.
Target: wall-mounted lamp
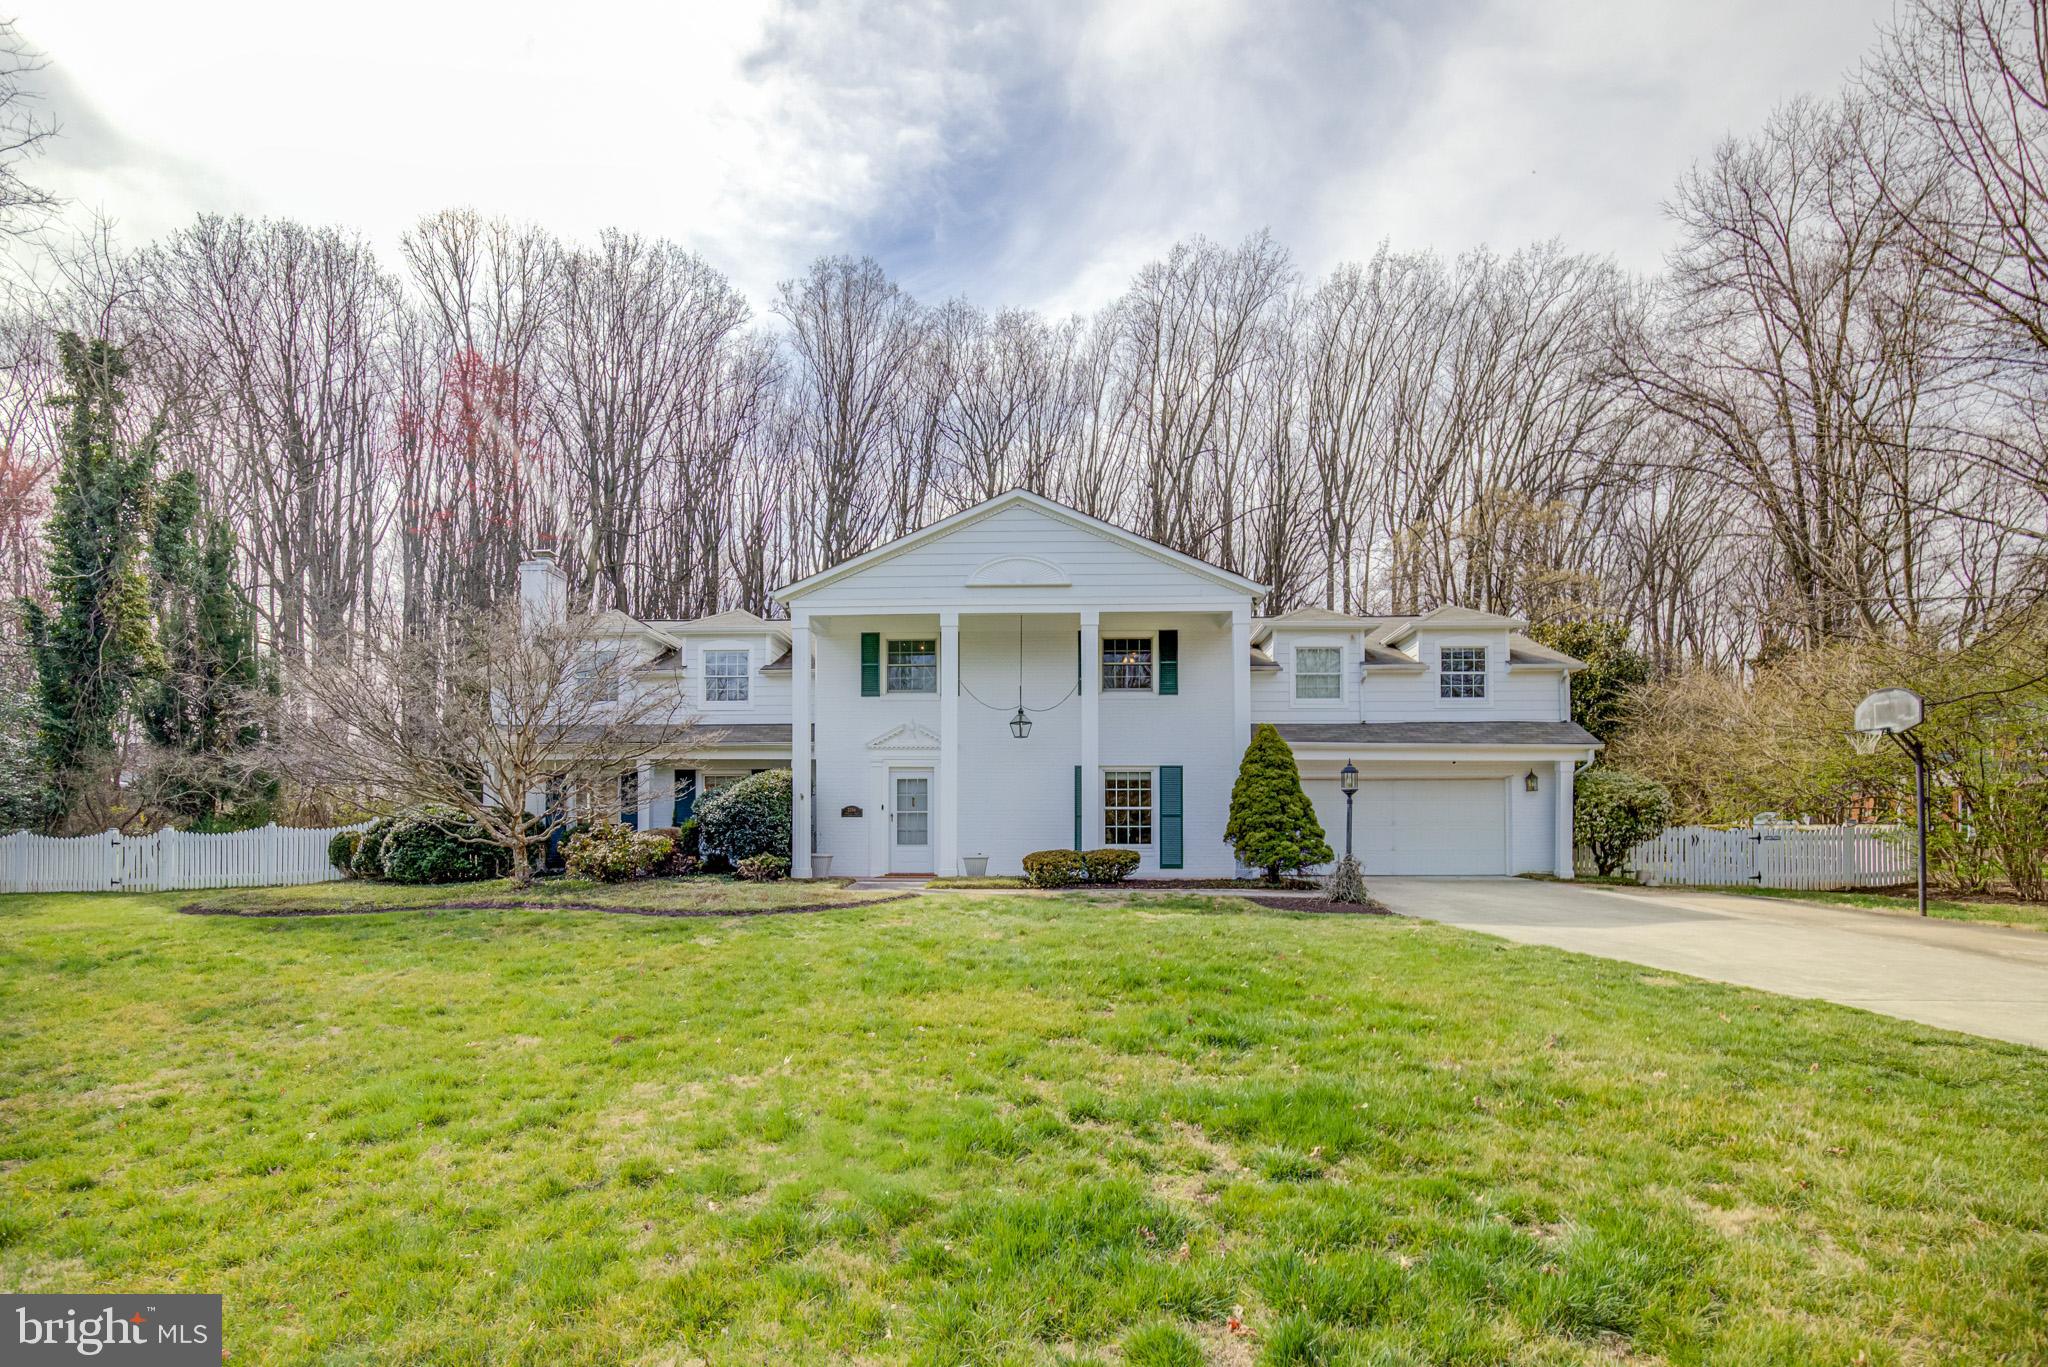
<point x="1529" y="782"/>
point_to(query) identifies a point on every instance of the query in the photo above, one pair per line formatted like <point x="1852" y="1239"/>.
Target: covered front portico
<point x="1125" y="658"/>
<point x="918" y="739"/>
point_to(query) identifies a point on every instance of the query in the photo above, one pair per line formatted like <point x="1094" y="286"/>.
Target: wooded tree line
<point x="1824" y="419"/>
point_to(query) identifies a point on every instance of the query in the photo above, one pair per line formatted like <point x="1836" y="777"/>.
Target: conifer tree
<point x="203" y="712"/>
<point x="94" y="643"/>
<point x="1272" y="824"/>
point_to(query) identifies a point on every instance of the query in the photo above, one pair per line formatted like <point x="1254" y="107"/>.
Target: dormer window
<point x="725" y="676"/>
<point x="600" y="676"/>
<point x="1461" y="672"/>
<point x="1318" y="673"/>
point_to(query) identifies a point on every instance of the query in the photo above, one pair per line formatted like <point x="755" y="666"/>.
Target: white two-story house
<point x="1020" y="676"/>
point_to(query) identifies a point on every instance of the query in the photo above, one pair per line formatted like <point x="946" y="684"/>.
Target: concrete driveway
<point x="1983" y="980"/>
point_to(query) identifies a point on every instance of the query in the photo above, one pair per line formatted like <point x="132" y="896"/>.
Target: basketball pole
<point x="1919" y="753"/>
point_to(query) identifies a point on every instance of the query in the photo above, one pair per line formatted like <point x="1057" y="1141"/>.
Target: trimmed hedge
<point x="435" y="845"/>
<point x="763" y="868"/>
<point x="749" y="818"/>
<point x="341" y="852"/>
<point x="1054" y="868"/>
<point x="1109" y="865"/>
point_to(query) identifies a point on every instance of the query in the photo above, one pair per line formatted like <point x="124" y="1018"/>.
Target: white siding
<point x="1018" y="796"/>
<point x="1414" y="696"/>
<point x="1103" y="571"/>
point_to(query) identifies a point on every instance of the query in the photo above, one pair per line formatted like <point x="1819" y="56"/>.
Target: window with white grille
<point x="913" y="667"/>
<point x="1318" y="673"/>
<point x="1127" y="664"/>
<point x="725" y="675"/>
<point x="1461" y="672"/>
<point x="1127" y="807"/>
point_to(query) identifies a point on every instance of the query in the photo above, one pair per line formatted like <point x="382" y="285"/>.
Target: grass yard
<point x="2024" y="915"/>
<point x="699" y="896"/>
<point x="994" y="1129"/>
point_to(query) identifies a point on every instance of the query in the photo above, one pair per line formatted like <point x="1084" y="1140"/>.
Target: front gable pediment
<point x="908" y="736"/>
<point x="1019" y="547"/>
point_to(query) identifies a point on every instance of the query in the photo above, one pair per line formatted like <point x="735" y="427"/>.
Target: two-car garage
<point x="1431" y="803"/>
<point x="1443" y="826"/>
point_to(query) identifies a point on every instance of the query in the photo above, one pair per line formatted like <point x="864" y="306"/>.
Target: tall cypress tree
<point x="94" y="644"/>
<point x="202" y="711"/>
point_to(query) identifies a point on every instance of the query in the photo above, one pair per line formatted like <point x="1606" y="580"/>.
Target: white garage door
<point x="1433" y="825"/>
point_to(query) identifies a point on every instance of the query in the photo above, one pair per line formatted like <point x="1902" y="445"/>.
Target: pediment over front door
<point x="909" y="737"/>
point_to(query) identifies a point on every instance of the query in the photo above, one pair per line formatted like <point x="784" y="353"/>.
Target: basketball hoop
<point x="1895" y="712"/>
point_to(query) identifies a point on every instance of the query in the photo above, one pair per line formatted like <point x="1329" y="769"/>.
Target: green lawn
<point x="2026" y="915"/>
<point x="675" y="896"/>
<point x="994" y="1129"/>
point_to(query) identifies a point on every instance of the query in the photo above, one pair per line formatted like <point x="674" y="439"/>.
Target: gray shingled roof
<point x="710" y="734"/>
<point x="1437" y="733"/>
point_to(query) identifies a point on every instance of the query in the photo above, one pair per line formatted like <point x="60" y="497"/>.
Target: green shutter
<point x="1169" y="816"/>
<point x="871" y="664"/>
<point x="686" y="795"/>
<point x="1169" y="663"/>
<point x="1077" y="806"/>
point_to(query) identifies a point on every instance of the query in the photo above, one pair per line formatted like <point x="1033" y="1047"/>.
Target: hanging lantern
<point x="1020" y="725"/>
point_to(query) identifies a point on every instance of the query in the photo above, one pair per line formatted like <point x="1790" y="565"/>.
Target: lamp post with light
<point x="1347" y="779"/>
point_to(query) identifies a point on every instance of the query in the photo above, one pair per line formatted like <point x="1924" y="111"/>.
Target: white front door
<point x="910" y="821"/>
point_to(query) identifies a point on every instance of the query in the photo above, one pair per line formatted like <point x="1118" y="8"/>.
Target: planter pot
<point x="976" y="865"/>
<point x="821" y="866"/>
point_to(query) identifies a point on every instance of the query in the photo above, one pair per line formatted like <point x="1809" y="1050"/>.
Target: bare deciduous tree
<point x="511" y="703"/>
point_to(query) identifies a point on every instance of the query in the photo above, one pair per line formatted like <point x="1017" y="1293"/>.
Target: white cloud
<point x="1019" y="154"/>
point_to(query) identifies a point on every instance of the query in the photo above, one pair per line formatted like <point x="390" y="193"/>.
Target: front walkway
<point x="1983" y="980"/>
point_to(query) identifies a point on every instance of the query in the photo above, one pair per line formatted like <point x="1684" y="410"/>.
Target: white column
<point x="948" y="852"/>
<point x="643" y="774"/>
<point x="1091" y="728"/>
<point x="1240" y="680"/>
<point x="1561" y="814"/>
<point x="800" y="745"/>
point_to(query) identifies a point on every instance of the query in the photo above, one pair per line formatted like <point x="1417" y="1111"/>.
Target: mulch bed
<point x="1213" y="884"/>
<point x="694" y="913"/>
<point x="1321" y="904"/>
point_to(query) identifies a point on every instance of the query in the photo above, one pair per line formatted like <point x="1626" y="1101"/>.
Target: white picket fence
<point x="1811" y="857"/>
<point x="112" y="862"/>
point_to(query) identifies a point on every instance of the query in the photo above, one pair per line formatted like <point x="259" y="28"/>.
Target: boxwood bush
<point x="341" y="852"/>
<point x="1109" y="865"/>
<point x="436" y="845"/>
<point x="1053" y="868"/>
<point x="611" y="853"/>
<point x="763" y="868"/>
<point x="749" y="818"/>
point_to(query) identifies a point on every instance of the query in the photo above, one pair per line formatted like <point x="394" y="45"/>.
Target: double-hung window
<point x="1127" y="664"/>
<point x="1461" y="672"/>
<point x="913" y="666"/>
<point x="725" y="676"/>
<point x="599" y="676"/>
<point x="1318" y="673"/>
<point x="1127" y="807"/>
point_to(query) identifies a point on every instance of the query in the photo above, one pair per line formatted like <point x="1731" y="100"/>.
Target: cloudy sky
<point x="1015" y="153"/>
